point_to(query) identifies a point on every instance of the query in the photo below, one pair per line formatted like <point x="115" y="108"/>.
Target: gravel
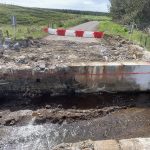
<point x="51" y="54"/>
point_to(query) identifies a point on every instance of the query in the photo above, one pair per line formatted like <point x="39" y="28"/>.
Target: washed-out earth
<point x="43" y="122"/>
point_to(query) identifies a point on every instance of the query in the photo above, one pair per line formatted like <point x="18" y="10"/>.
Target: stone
<point x="123" y="42"/>
<point x="24" y="44"/>
<point x="16" y="46"/>
<point x="116" y="53"/>
<point x="113" y="48"/>
<point x="120" y="45"/>
<point x="134" y="56"/>
<point x="40" y="120"/>
<point x="10" y="122"/>
<point x="47" y="106"/>
<point x="35" y="114"/>
<point x="7" y="43"/>
<point x="106" y="58"/>
<point x="136" y="48"/>
<point x="42" y="66"/>
<point x="139" y="55"/>
<point x="22" y="60"/>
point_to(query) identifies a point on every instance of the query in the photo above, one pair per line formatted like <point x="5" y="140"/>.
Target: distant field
<point x="137" y="36"/>
<point x="30" y="21"/>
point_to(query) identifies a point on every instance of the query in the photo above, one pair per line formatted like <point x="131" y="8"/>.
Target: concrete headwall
<point x="77" y="78"/>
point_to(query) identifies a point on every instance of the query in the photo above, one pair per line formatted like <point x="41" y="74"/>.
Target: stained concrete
<point x="125" y="144"/>
<point x="77" y="78"/>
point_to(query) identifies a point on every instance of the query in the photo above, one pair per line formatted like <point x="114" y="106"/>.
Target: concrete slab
<point x="78" y="78"/>
<point x="125" y="144"/>
<point x="106" y="145"/>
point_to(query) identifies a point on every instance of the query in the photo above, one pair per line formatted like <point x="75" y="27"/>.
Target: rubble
<point x="40" y="54"/>
<point x="16" y="46"/>
<point x="86" y="145"/>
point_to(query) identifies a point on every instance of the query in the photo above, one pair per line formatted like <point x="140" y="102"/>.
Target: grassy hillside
<point x="30" y="21"/>
<point x="27" y="16"/>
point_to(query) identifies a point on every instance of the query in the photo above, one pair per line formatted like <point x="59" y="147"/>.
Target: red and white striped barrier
<point x="73" y="33"/>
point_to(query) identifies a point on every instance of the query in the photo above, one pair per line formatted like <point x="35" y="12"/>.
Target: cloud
<point x="92" y="5"/>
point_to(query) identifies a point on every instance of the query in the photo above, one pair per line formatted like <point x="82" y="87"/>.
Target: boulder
<point x="16" y="46"/>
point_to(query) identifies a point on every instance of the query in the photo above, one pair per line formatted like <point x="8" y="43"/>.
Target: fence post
<point x="146" y="41"/>
<point x="7" y="33"/>
<point x="141" y="39"/>
<point x="1" y="38"/>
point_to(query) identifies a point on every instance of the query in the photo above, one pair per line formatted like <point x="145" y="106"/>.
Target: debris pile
<point x="42" y="54"/>
<point x="86" y="145"/>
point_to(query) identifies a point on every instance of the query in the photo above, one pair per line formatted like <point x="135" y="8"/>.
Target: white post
<point x="14" y="23"/>
<point x="14" y="32"/>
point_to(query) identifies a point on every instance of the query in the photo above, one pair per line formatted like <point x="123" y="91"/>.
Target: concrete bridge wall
<point x="125" y="144"/>
<point x="77" y="78"/>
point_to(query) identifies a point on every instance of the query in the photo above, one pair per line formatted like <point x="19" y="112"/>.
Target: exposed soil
<point x="45" y="122"/>
<point x="67" y="108"/>
<point x="51" y="54"/>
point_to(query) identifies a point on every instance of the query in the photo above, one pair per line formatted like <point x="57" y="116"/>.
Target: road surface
<point x="88" y="26"/>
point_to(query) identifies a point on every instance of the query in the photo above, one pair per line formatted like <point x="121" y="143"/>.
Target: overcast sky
<point x="92" y="5"/>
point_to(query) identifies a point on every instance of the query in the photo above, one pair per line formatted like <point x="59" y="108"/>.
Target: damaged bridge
<point x="77" y="78"/>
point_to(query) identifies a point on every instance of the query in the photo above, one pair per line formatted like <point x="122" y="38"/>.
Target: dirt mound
<point x="51" y="54"/>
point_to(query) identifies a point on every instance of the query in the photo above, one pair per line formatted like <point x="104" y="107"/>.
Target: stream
<point x="131" y="122"/>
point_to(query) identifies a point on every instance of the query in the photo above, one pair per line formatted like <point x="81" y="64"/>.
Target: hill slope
<point x="41" y="16"/>
<point x="31" y="15"/>
<point x="30" y="21"/>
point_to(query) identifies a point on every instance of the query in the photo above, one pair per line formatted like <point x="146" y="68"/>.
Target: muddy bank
<point x="59" y="109"/>
<point x="40" y="116"/>
<point x="128" y="123"/>
<point x="44" y="122"/>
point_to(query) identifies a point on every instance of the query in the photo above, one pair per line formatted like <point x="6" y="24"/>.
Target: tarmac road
<point x="88" y="26"/>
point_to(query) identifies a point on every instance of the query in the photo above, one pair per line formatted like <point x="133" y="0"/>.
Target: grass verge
<point x="138" y="37"/>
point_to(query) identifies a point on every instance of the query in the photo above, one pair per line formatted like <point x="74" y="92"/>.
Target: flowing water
<point x="126" y="123"/>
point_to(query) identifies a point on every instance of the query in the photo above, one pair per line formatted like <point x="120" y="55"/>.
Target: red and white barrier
<point x="73" y="33"/>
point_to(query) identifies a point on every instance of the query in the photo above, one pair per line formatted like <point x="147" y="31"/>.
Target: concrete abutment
<point x="77" y="78"/>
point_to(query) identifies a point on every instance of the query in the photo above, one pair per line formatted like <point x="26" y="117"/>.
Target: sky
<point x="91" y="5"/>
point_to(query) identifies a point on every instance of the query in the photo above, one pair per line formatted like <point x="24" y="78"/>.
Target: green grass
<point x="30" y="21"/>
<point x="24" y="31"/>
<point x="138" y="37"/>
<point x="28" y="16"/>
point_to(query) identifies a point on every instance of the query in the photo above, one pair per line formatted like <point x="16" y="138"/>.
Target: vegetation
<point x="30" y="16"/>
<point x="81" y="12"/>
<point x="127" y="11"/>
<point x="112" y="28"/>
<point x="30" y="21"/>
